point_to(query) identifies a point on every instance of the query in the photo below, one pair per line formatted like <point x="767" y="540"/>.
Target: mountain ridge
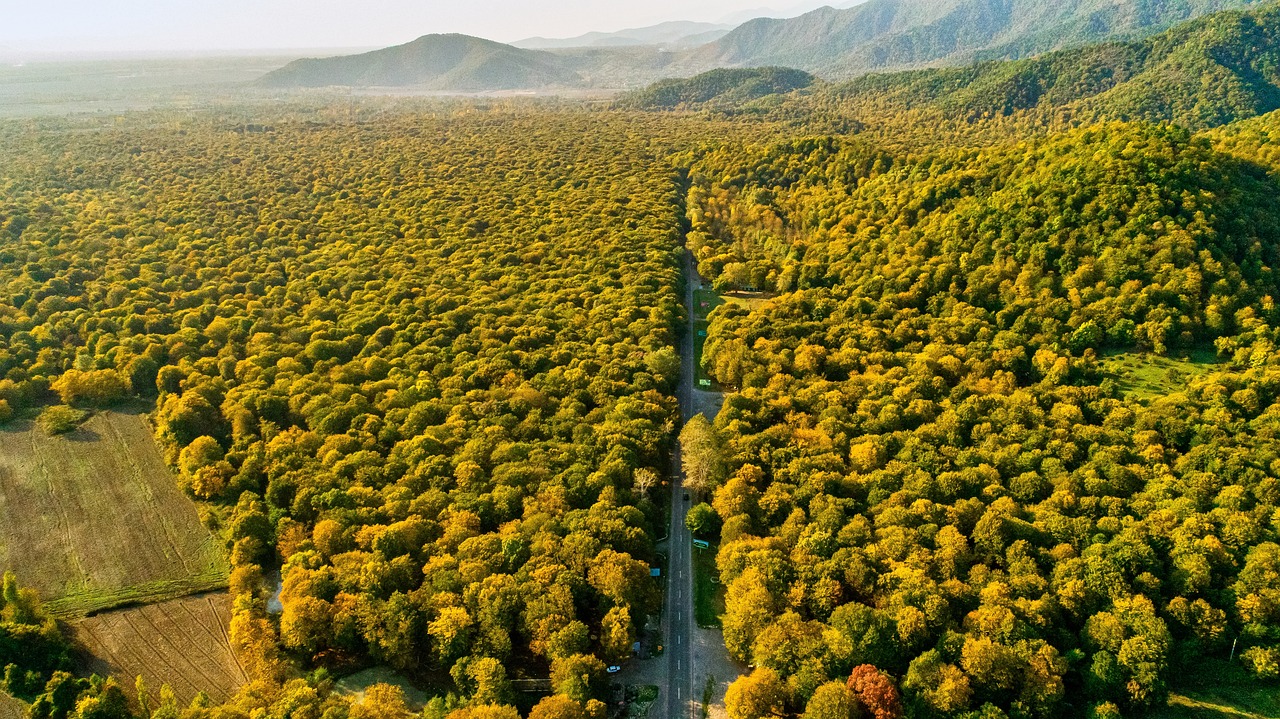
<point x="447" y="62"/>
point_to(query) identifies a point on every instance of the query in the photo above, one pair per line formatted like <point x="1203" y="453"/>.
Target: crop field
<point x="94" y="519"/>
<point x="182" y="643"/>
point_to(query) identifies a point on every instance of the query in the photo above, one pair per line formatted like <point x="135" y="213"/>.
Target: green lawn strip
<point x="699" y="340"/>
<point x="1219" y="689"/>
<point x="708" y="596"/>
<point x="163" y="590"/>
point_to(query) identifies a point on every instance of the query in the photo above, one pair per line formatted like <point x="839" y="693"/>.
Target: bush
<point x="61" y="419"/>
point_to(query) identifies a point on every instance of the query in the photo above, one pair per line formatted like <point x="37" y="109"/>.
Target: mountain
<point x="678" y="34"/>
<point x="899" y="34"/>
<point x="451" y="63"/>
<point x="718" y="88"/>
<point x="1202" y="73"/>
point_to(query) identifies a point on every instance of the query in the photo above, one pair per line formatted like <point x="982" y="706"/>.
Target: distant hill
<point x="1202" y="73"/>
<point x="454" y="63"/>
<point x="898" y="34"/>
<point x="679" y="34"/>
<point x="721" y="87"/>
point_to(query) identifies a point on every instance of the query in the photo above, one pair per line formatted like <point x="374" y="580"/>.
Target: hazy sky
<point x="191" y="25"/>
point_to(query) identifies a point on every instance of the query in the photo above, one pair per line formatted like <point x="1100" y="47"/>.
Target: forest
<point x="421" y="359"/>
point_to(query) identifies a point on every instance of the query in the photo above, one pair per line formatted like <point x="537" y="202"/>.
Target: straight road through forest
<point x="679" y="600"/>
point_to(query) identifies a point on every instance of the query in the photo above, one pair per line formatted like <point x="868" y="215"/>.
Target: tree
<point x="702" y="520"/>
<point x="617" y="634"/>
<point x="755" y="696"/>
<point x="701" y="455"/>
<point x="577" y="677"/>
<point x="381" y="701"/>
<point x="937" y="685"/>
<point x="558" y="706"/>
<point x="748" y="610"/>
<point x="832" y="700"/>
<point x="875" y="692"/>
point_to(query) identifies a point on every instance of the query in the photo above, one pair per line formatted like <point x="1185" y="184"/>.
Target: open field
<point x="182" y="643"/>
<point x="93" y="519"/>
<point x="1147" y="376"/>
<point x="1220" y="690"/>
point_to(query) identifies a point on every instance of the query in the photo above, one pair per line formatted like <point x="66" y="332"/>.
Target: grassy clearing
<point x="1148" y="376"/>
<point x="1218" y="689"/>
<point x="357" y="684"/>
<point x="704" y="301"/>
<point x="93" y="519"/>
<point x="182" y="643"/>
<point x="750" y="300"/>
<point x="11" y="708"/>
<point x="708" y="596"/>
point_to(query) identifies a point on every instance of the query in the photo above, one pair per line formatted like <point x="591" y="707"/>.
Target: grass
<point x="93" y="519"/>
<point x="708" y="595"/>
<point x="11" y="708"/>
<point x="355" y="685"/>
<point x="1218" y="689"/>
<point x="704" y="381"/>
<point x="1147" y="376"/>
<point x="183" y="643"/>
<point x="704" y="301"/>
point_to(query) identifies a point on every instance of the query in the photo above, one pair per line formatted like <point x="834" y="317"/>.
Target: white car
<point x="614" y="669"/>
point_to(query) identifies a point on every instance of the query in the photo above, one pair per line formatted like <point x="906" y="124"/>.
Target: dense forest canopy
<point x="423" y="360"/>
<point x="426" y="362"/>
<point x="929" y="471"/>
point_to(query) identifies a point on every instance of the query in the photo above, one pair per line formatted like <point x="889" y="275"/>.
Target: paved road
<point x="679" y="610"/>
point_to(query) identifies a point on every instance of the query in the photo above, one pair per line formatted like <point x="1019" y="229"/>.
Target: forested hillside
<point x="722" y="89"/>
<point x="928" y="467"/>
<point x="1200" y="74"/>
<point x="885" y="35"/>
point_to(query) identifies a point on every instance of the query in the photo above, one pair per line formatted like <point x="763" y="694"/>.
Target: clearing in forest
<point x="182" y="643"/>
<point x="93" y="519"/>
<point x="1149" y="376"/>
<point x="357" y="684"/>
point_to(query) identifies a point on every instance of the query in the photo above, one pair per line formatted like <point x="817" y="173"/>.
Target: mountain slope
<point x="726" y="86"/>
<point x="677" y="34"/>
<point x="434" y="62"/>
<point x="898" y="34"/>
<point x="1202" y="73"/>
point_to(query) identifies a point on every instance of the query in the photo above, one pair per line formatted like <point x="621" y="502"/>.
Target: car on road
<point x="686" y="496"/>
<point x="614" y="669"/>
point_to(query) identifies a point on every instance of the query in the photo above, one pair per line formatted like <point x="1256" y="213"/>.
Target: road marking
<point x="677" y="639"/>
<point x="677" y="616"/>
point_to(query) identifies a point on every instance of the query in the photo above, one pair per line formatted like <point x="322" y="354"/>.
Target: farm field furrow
<point x="181" y="643"/>
<point x="93" y="519"/>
